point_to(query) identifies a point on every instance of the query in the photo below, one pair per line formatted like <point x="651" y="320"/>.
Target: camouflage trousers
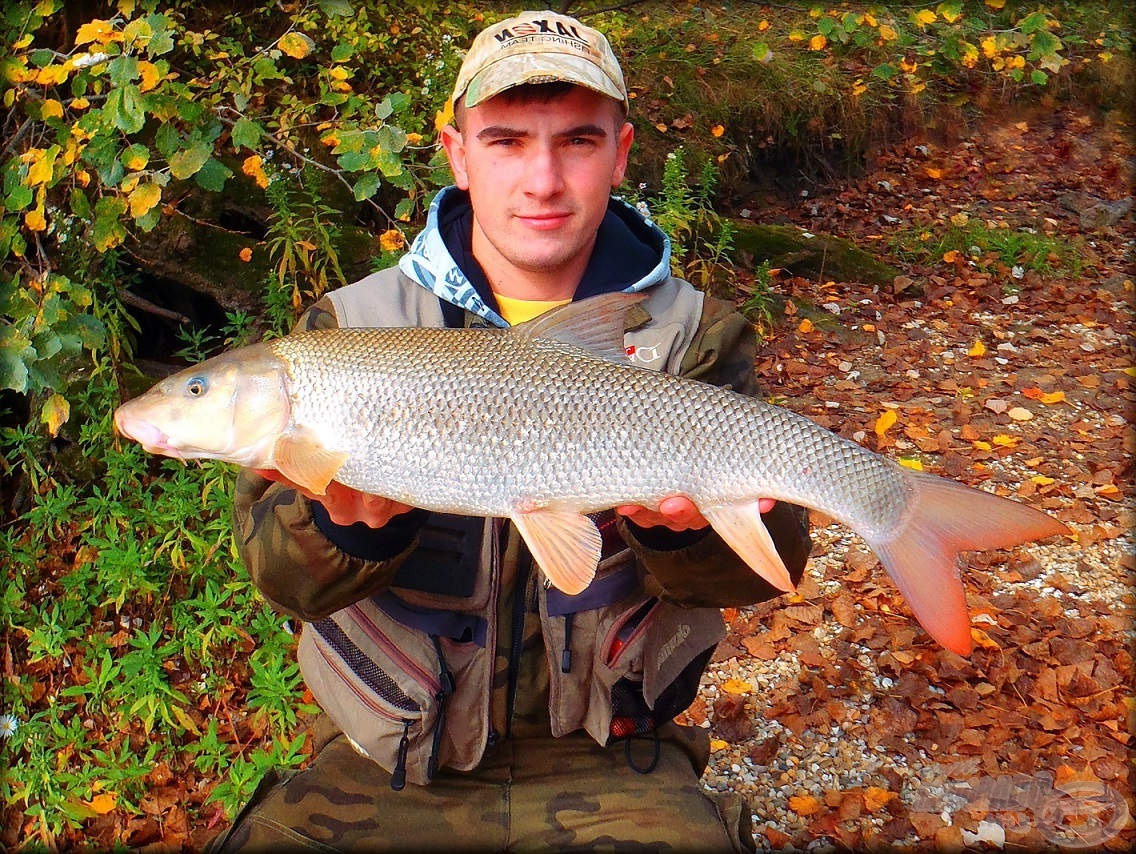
<point x="528" y="794"/>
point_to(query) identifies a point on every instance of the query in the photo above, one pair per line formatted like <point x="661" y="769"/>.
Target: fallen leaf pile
<point x="859" y="730"/>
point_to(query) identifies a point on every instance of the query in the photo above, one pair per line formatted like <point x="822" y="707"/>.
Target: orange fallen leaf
<point x="804" y="804"/>
<point x="717" y="744"/>
<point x="104" y="803"/>
<point x="983" y="640"/>
<point x="977" y="350"/>
<point x="717" y="131"/>
<point x="875" y="798"/>
<point x="737" y="686"/>
<point x="1006" y="441"/>
<point x="805" y="326"/>
<point x="932" y="172"/>
<point x="1020" y="413"/>
<point x="245" y="254"/>
<point x="1049" y="398"/>
<point x="886" y="421"/>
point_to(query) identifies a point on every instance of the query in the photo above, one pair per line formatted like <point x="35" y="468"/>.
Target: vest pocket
<point x="387" y="704"/>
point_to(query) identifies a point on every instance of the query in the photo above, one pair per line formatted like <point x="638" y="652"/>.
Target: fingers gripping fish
<point x="547" y="422"/>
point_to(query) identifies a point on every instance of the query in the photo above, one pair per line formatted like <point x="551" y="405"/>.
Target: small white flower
<point x="8" y="726"/>
<point x="642" y="208"/>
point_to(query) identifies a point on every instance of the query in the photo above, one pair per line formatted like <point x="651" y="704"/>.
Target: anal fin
<point x="565" y="544"/>
<point x="741" y="526"/>
<point x="303" y="459"/>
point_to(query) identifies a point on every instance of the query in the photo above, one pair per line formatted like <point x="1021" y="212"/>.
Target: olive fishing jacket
<point x="430" y="639"/>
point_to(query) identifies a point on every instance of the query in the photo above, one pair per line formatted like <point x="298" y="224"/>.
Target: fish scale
<point x="546" y="422"/>
<point x="462" y="410"/>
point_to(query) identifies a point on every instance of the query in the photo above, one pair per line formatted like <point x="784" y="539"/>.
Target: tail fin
<point x="943" y="519"/>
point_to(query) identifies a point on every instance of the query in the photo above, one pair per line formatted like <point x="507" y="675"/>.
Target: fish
<point x="547" y="422"/>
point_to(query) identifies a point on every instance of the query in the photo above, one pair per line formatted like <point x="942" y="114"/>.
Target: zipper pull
<point x="566" y="655"/>
<point x="446" y="689"/>
<point x="398" y="776"/>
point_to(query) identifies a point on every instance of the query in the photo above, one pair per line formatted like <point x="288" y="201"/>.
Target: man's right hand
<point x="344" y="505"/>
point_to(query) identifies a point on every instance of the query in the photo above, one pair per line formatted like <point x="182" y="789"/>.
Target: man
<point x="469" y="706"/>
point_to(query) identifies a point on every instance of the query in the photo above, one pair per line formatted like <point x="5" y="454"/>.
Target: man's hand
<point x="345" y="505"/>
<point x="677" y="512"/>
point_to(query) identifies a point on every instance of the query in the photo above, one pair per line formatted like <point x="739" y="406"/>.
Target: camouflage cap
<point x="538" y="47"/>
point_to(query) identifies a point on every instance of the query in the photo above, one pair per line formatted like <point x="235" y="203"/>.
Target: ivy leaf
<point x="185" y="164"/>
<point x="15" y="348"/>
<point x="246" y="133"/>
<point x="366" y="186"/>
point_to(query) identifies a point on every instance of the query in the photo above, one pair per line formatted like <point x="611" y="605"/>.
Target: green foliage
<point x="988" y="245"/>
<point x="112" y="123"/>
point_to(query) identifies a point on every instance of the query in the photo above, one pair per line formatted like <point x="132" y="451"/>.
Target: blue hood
<point x="631" y="254"/>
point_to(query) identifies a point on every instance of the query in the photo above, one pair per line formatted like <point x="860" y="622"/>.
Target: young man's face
<point x="539" y="174"/>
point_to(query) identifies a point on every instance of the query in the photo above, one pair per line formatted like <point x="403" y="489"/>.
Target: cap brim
<point x="520" y="69"/>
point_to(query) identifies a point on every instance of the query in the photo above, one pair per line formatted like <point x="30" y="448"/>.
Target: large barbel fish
<point x="546" y="422"/>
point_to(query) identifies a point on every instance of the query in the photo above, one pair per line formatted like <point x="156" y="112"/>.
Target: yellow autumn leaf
<point x="22" y="42"/>
<point x="79" y="103"/>
<point x="1052" y="397"/>
<point x="413" y="138"/>
<point x="150" y="76"/>
<point x="817" y="42"/>
<point x="888" y="34"/>
<point x="805" y="326"/>
<point x="796" y="36"/>
<point x="143" y="199"/>
<point x="911" y="463"/>
<point x="886" y="421"/>
<point x="763" y="26"/>
<point x="859" y="87"/>
<point x="55" y="413"/>
<point x="339" y="73"/>
<point x="952" y="256"/>
<point x="969" y="55"/>
<point x="989" y="47"/>
<point x="934" y="172"/>
<point x="34" y="220"/>
<point x="869" y="19"/>
<point x="51" y="109"/>
<point x="977" y="350"/>
<point x="103" y="803"/>
<point x="40" y="170"/>
<point x="737" y="686"/>
<point x="1020" y="413"/>
<point x="717" y="131"/>
<point x="1042" y="480"/>
<point x="1006" y="441"/>
<point x="254" y="168"/>
<point x="960" y="219"/>
<point x="444" y="116"/>
<point x="983" y="640"/>
<point x="296" y="45"/>
<point x="130" y="182"/>
<point x="924" y="17"/>
<point x="717" y="744"/>
<point x="982" y="446"/>
<point x="995" y="4"/>
<point x="391" y="240"/>
<point x="949" y="14"/>
<point x="94" y="31"/>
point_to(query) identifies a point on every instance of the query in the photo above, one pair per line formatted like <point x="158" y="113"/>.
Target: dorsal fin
<point x="595" y="324"/>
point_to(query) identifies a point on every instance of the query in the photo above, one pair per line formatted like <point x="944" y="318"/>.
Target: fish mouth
<point x="148" y="435"/>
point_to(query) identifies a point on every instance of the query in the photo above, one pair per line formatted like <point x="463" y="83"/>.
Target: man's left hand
<point x="677" y="512"/>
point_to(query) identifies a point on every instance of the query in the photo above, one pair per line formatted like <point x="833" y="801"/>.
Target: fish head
<point x="232" y="407"/>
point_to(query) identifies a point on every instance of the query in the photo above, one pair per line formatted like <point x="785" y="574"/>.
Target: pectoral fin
<point x="566" y="546"/>
<point x="302" y="458"/>
<point x="741" y="526"/>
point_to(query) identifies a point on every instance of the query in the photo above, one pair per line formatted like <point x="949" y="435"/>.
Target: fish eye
<point x="197" y="386"/>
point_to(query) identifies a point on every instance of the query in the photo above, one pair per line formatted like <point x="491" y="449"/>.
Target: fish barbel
<point x="546" y="422"/>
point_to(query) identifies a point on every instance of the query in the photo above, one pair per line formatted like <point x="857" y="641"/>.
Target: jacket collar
<point x="631" y="254"/>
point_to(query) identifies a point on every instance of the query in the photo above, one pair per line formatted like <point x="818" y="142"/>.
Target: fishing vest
<point x="407" y="674"/>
